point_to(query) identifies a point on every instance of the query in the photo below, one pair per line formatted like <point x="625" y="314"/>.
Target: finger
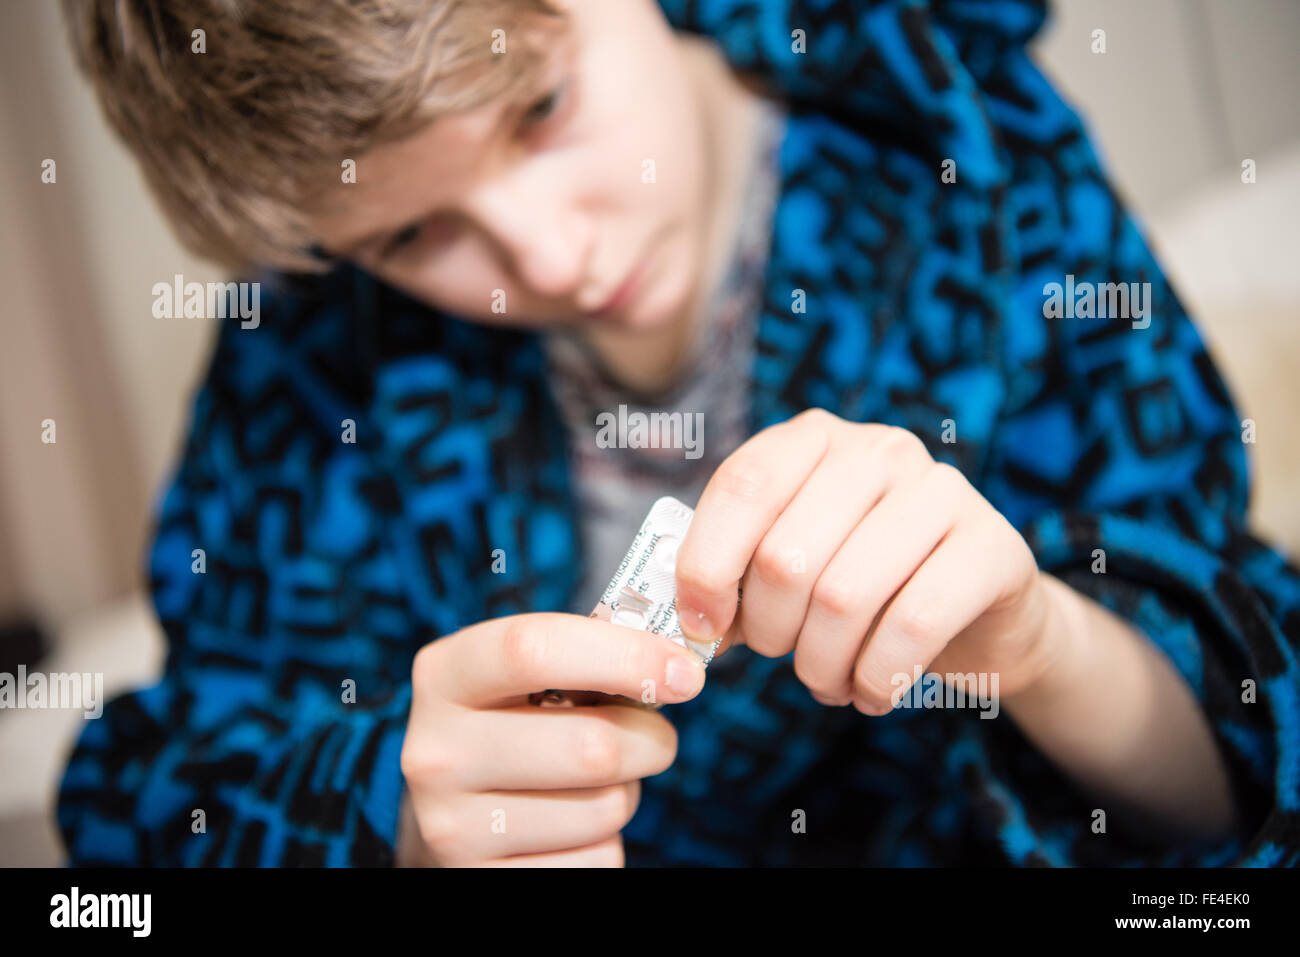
<point x="496" y="661"/>
<point x="608" y="853"/>
<point x="849" y="481"/>
<point x="730" y="637"/>
<point x="883" y="552"/>
<point x="495" y="824"/>
<point x="544" y="749"/>
<point x="737" y="508"/>
<point x="951" y="589"/>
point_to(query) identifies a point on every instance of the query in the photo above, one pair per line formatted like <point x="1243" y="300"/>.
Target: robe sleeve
<point x="273" y="737"/>
<point x="1123" y="460"/>
<point x="1118" y="441"/>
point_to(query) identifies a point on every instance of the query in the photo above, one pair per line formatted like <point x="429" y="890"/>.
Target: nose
<point x="544" y="238"/>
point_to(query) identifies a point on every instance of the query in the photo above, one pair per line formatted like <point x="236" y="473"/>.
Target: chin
<point x="645" y="317"/>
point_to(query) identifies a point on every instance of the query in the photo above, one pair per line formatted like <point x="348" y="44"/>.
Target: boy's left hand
<point x="860" y="553"/>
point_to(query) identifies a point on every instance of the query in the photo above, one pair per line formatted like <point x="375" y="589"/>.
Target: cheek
<point x="640" y="127"/>
<point x="678" y="147"/>
<point x="677" y="274"/>
<point x="469" y="289"/>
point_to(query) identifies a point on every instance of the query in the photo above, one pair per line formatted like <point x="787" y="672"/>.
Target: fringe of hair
<point x="238" y="142"/>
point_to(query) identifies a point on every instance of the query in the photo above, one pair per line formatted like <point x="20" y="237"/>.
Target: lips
<point x="624" y="293"/>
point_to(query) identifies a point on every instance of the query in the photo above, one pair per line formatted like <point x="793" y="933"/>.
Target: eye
<point x="401" y="239"/>
<point x="431" y="235"/>
<point x="546" y="107"/>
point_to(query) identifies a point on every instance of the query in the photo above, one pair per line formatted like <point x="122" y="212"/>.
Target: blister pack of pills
<point x="643" y="592"/>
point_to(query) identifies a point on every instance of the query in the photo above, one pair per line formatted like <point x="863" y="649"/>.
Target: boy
<point x="912" y="461"/>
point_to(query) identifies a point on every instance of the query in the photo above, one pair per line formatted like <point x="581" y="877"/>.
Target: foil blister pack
<point x="642" y="594"/>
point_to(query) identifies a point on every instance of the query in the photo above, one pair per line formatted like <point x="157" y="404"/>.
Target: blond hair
<point x="239" y="141"/>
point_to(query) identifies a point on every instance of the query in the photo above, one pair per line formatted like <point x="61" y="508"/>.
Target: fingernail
<point x="685" y="675"/>
<point x="696" y="626"/>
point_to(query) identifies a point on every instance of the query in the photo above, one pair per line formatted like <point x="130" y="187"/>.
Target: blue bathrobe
<point x="947" y="221"/>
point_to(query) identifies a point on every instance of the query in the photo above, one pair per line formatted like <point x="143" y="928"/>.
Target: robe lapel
<point x="471" y="465"/>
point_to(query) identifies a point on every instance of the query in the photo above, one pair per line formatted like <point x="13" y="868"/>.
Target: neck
<point x="649" y="361"/>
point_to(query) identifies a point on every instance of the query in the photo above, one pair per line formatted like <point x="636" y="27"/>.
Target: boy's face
<point x="601" y="176"/>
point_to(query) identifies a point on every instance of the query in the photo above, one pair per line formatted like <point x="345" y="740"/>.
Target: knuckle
<point x="832" y="700"/>
<point x="408" y="762"/>
<point x="817" y="684"/>
<point x="763" y="637"/>
<point x="598" y="750"/>
<point x="616" y="808"/>
<point x="700" y="575"/>
<point x="901" y="442"/>
<point x="1025" y="567"/>
<point x="818" y="416"/>
<point x="772" y="563"/>
<point x="915" y="623"/>
<point x="840" y="597"/>
<point x="741" y="479"/>
<point x="640" y="658"/>
<point x="439" y="830"/>
<point x="527" y="647"/>
<point x="871" y="685"/>
<point x="420" y="761"/>
<point x="632" y="792"/>
<point x="422" y="668"/>
<point x="947" y="476"/>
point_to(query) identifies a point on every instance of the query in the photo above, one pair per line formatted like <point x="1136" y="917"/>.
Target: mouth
<point x="624" y="295"/>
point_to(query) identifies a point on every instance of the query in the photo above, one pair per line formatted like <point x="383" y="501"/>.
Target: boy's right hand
<point x="494" y="780"/>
